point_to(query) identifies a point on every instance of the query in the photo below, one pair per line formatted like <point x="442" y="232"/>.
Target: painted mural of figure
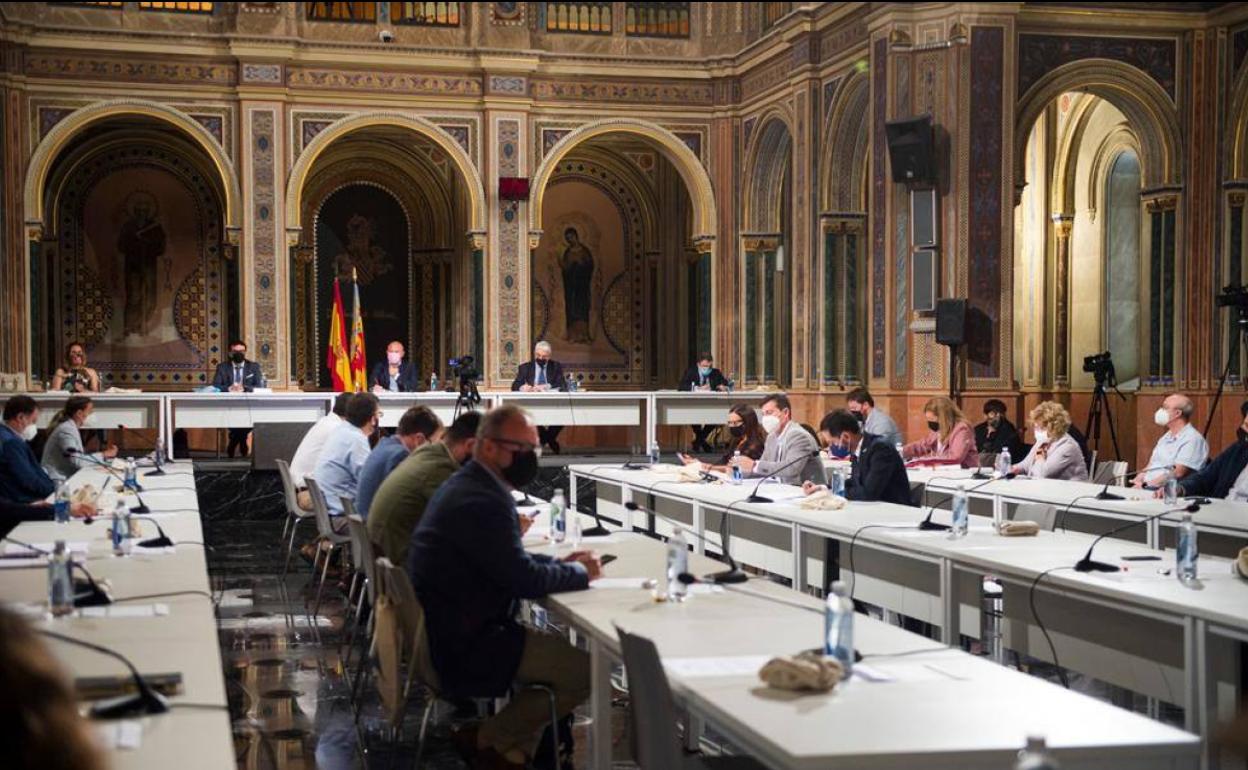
<point x="577" y="264"/>
<point x="141" y="244"/>
<point x="369" y="260"/>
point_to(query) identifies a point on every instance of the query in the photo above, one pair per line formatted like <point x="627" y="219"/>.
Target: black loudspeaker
<point x="911" y="149"/>
<point x="923" y="280"/>
<point x="923" y="217"/>
<point x="951" y="322"/>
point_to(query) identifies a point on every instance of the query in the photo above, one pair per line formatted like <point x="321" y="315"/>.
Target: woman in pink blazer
<point x="951" y="440"/>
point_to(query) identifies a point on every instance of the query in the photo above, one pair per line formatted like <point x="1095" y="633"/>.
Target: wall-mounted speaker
<point x="923" y="280"/>
<point x="923" y="217"/>
<point x="951" y="322"/>
<point x="911" y="149"/>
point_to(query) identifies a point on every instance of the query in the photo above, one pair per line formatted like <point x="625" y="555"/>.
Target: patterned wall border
<point x="217" y="118"/>
<point x="264" y="240"/>
<point x="464" y="128"/>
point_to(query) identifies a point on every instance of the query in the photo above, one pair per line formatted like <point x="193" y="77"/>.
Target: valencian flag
<point x="337" y="361"/>
<point x="359" y="379"/>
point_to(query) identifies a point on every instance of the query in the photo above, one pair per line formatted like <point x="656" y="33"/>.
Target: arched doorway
<point x="621" y="276"/>
<point x="386" y="199"/>
<point x="133" y="262"/>
<point x="767" y="245"/>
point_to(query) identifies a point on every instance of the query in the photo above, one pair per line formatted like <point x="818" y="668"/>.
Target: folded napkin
<point x="823" y="500"/>
<point x="1241" y="563"/>
<point x="806" y="671"/>
<point x="1019" y="528"/>
<point x="84" y="494"/>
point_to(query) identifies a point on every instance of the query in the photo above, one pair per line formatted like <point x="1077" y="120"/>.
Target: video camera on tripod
<point x="1101" y="367"/>
<point x="464" y="369"/>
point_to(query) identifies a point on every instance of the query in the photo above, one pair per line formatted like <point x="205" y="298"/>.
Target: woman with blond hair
<point x="1056" y="454"/>
<point x="951" y="438"/>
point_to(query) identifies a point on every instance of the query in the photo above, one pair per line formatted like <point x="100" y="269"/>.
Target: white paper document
<point x="125" y="734"/>
<point x="622" y="583"/>
<point x="74" y="546"/>
<point x="124" y="611"/>
<point x="736" y="665"/>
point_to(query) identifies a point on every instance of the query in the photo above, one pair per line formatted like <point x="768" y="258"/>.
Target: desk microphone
<point x="1105" y="494"/>
<point x="157" y="451"/>
<point x="757" y="498"/>
<point x="928" y="525"/>
<point x="94" y="595"/>
<point x="161" y="541"/>
<point x="141" y="507"/>
<point x="145" y="701"/>
<point x="1088" y="564"/>
<point x="731" y="575"/>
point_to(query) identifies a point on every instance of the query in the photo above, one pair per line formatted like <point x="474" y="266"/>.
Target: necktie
<point x="541" y="375"/>
<point x="238" y="375"/>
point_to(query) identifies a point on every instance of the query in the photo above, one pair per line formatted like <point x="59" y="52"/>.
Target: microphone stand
<point x="757" y="498"/>
<point x="1105" y="494"/>
<point x="733" y="574"/>
<point x="161" y="541"/>
<point x="927" y="525"/>
<point x="145" y="701"/>
<point x="156" y="452"/>
<point x="1088" y="564"/>
<point x="141" y="507"/>
<point x="95" y="596"/>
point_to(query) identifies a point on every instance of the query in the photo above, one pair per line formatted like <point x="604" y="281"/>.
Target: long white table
<point x="112" y="410"/>
<point x="184" y="640"/>
<point x="1137" y="629"/>
<point x="958" y="711"/>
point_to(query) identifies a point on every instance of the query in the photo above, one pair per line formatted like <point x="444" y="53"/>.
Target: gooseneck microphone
<point x="1105" y="494"/>
<point x="1088" y="564"/>
<point x="928" y="525"/>
<point x="161" y="540"/>
<point x="733" y="574"/>
<point x="757" y="498"/>
<point x="93" y="594"/>
<point x="145" y="701"/>
<point x="141" y="507"/>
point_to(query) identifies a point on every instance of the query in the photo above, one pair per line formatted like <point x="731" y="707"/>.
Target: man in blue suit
<point x="469" y="569"/>
<point x="238" y="375"/>
<point x="22" y="479"/>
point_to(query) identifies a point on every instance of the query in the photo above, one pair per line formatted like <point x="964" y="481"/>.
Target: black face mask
<point x="860" y="417"/>
<point x="1242" y="434"/>
<point x="933" y="425"/>
<point x="737" y="431"/>
<point x="523" y="469"/>
<point x="237" y="356"/>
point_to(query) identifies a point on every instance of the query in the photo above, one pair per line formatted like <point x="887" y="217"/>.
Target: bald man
<point x="1181" y="445"/>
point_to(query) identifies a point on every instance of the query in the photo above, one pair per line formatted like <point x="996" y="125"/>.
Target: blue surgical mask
<point x="705" y="371"/>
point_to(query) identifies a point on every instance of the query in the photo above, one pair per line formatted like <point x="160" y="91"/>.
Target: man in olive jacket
<point x="401" y="499"/>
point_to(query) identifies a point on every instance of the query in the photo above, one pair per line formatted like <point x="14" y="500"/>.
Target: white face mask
<point x="1162" y="416"/>
<point x="30" y="432"/>
<point x="771" y="423"/>
<point x="1042" y="436"/>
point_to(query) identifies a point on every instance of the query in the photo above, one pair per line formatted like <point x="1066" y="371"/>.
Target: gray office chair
<point x="1043" y="514"/>
<point x="294" y="514"/>
<point x="327" y="534"/>
<point x="652" y="714"/>
<point x="363" y="578"/>
<point x="1109" y="472"/>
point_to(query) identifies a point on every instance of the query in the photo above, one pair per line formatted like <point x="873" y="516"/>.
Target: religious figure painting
<point x="580" y="256"/>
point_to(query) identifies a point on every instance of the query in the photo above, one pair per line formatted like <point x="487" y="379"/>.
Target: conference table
<point x="958" y="710"/>
<point x="1137" y="629"/>
<point x="161" y="634"/>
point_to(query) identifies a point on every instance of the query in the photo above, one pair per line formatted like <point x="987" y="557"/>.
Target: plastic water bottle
<point x="433" y="381"/>
<point x="960" y="518"/>
<point x="1035" y="756"/>
<point x="60" y="582"/>
<point x="732" y="381"/>
<point x="1171" y="494"/>
<point x="1004" y="462"/>
<point x="1186" y="554"/>
<point x="132" y="476"/>
<point x="61" y="507"/>
<point x="736" y="467"/>
<point x="899" y="446"/>
<point x="121" y="530"/>
<point x="838" y="482"/>
<point x="158" y="456"/>
<point x="558" y="517"/>
<point x="838" y="626"/>
<point x="655" y="456"/>
<point x="677" y="565"/>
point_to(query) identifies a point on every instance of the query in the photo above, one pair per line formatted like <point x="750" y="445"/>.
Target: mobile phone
<point x="607" y="558"/>
<point x="1141" y="558"/>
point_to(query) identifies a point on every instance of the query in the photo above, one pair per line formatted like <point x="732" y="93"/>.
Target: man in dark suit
<point x="997" y="433"/>
<point x="469" y="569"/>
<point x="539" y="375"/>
<point x="703" y="376"/>
<point x="879" y="473"/>
<point x="22" y="479"/>
<point x="394" y="375"/>
<point x="1224" y="476"/>
<point x="238" y="375"/>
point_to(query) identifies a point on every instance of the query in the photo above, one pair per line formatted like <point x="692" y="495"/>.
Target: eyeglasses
<point x="521" y="446"/>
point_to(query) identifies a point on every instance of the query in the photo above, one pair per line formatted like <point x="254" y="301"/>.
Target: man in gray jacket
<point x="787" y="442"/>
<point x="65" y="436"/>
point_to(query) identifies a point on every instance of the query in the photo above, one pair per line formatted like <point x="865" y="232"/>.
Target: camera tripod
<point x="1100" y="408"/>
<point x="468" y="399"/>
<point x="1240" y="324"/>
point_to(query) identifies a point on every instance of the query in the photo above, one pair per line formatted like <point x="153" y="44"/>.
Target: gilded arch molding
<point x="1237" y="128"/>
<point x="51" y="145"/>
<point x="1146" y="106"/>
<point x="697" y="182"/>
<point x="764" y="169"/>
<point x="347" y="125"/>
<point x="843" y="187"/>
